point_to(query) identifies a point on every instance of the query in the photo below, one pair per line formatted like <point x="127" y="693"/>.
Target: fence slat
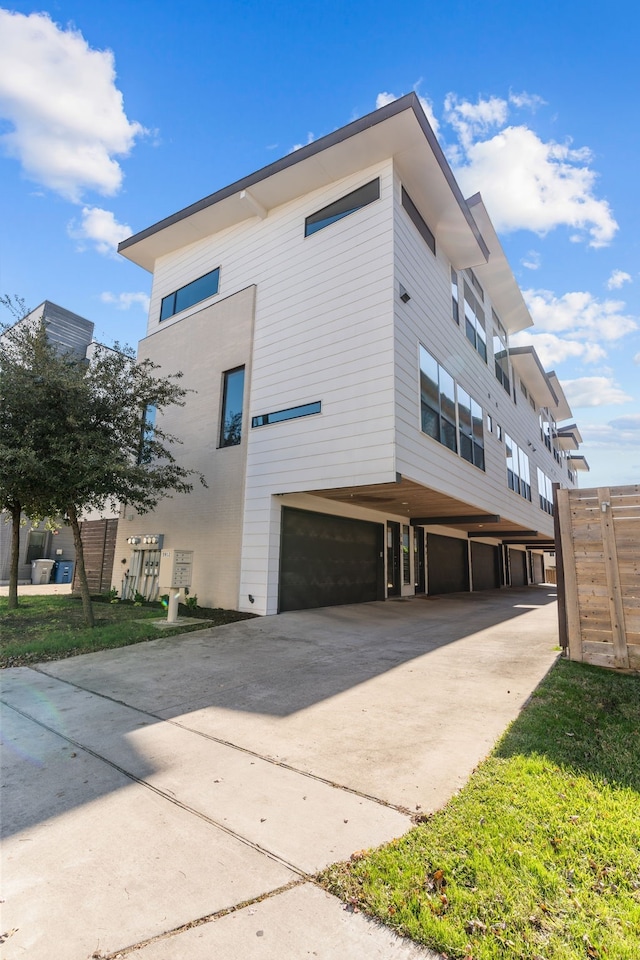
<point x="613" y="580"/>
<point x="570" y="577"/>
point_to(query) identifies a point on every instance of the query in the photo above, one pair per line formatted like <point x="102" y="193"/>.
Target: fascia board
<point x="400" y="128"/>
<point x="496" y="274"/>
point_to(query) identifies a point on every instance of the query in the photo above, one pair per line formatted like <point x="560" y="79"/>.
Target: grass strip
<point x="538" y="857"/>
<point x="52" y="628"/>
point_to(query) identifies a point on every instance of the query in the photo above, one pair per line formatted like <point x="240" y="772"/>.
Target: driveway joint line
<point x="200" y="921"/>
<point x="233" y="746"/>
<point x="163" y="794"/>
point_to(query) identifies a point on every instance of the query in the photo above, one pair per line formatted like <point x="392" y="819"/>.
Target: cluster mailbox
<point x="176" y="569"/>
<point x="176" y="572"/>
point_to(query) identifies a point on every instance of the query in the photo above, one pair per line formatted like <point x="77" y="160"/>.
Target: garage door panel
<point x="447" y="564"/>
<point x="485" y="566"/>
<point x="518" y="567"/>
<point x="327" y="560"/>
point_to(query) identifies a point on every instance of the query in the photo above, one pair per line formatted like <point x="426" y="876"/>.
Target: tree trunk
<point x="16" y="515"/>
<point x="87" y="607"/>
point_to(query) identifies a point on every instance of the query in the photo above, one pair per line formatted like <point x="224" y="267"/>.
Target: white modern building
<point x="343" y="317"/>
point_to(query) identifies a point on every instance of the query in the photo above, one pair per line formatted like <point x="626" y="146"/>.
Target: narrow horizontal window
<point x="342" y="208"/>
<point x="190" y="294"/>
<point x="291" y="413"/>
<point x="418" y="222"/>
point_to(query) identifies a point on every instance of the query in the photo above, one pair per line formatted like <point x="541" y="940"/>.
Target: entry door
<point x="418" y="559"/>
<point x="394" y="588"/>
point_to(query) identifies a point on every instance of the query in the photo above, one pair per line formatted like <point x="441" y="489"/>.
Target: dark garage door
<point x="327" y="560"/>
<point x="518" y="566"/>
<point x="485" y="566"/>
<point x="447" y="564"/>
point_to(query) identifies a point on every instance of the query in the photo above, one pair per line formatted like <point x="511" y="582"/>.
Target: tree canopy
<point x="76" y="434"/>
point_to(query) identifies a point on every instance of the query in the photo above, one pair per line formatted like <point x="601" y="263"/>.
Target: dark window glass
<point x="292" y="413"/>
<point x="418" y="221"/>
<point x="37" y="545"/>
<point x="192" y="293"/>
<point x="342" y="208"/>
<point x="232" y="400"/>
<point x="455" y="308"/>
<point x="148" y="425"/>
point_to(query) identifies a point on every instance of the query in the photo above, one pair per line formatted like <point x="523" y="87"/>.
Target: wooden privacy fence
<point x="598" y="558"/>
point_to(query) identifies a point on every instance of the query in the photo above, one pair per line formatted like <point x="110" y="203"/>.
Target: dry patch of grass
<point x="538" y="858"/>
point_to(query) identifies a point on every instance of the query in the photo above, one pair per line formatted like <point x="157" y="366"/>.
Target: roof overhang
<point x="578" y="462"/>
<point x="506" y="296"/>
<point x="569" y="437"/>
<point x="526" y="363"/>
<point x="563" y="410"/>
<point x="399" y="130"/>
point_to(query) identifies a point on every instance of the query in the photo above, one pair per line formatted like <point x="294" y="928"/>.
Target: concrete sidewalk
<point x="208" y="777"/>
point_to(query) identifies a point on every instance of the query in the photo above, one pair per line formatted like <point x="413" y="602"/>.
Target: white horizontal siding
<point x="427" y="319"/>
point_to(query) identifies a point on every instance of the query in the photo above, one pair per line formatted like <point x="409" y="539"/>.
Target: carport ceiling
<point x="409" y="499"/>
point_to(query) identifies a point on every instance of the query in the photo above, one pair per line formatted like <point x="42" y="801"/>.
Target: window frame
<point x="225" y="437"/>
<point x="418" y="221"/>
<point x="316" y="222"/>
<point x="171" y="299"/>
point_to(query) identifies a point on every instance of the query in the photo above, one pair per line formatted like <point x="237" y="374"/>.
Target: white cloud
<point x="636" y="359"/>
<point x="124" y="301"/>
<point x="529" y="100"/>
<point x="385" y="98"/>
<point x="580" y="314"/>
<point x="630" y="422"/>
<point x="101" y="228"/>
<point x="60" y="97"/>
<point x="532" y="260"/>
<point x="617" y="279"/>
<point x="473" y="120"/>
<point x="554" y="350"/>
<point x="526" y="183"/>
<point x="621" y="432"/>
<point x="593" y="392"/>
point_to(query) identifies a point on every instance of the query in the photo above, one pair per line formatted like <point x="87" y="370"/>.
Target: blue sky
<point x="114" y="115"/>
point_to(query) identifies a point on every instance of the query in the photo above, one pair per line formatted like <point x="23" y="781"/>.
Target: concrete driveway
<point x="172" y="800"/>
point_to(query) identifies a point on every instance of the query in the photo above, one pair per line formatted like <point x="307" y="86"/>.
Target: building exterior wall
<point x="427" y="319"/>
<point x="319" y="318"/>
<point x="208" y="521"/>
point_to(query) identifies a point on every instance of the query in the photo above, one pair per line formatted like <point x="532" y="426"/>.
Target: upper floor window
<point x="418" y="221"/>
<point x="518" y="473"/>
<point x="470" y="429"/>
<point x="147" y="433"/>
<point x="501" y="354"/>
<point x="476" y="285"/>
<point x="455" y="300"/>
<point x="291" y="413"/>
<point x="448" y="413"/>
<point x="192" y="293"/>
<point x="545" y="492"/>
<point x="232" y="404"/>
<point x="342" y="208"/>
<point x="474" y="322"/>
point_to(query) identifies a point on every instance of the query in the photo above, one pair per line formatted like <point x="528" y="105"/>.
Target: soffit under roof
<point x="497" y="276"/>
<point x="399" y="130"/>
<point x="527" y="365"/>
<point x="563" y="410"/>
<point x="570" y="429"/>
<point x="567" y="441"/>
<point x="578" y="463"/>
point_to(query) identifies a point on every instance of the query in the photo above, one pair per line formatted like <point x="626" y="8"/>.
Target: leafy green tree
<point x="91" y="444"/>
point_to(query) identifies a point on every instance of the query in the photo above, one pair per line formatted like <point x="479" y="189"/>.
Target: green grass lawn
<point x="538" y="857"/>
<point x="52" y="627"/>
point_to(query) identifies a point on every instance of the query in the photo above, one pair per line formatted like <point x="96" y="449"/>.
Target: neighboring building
<point x="343" y="316"/>
<point x="73" y="335"/>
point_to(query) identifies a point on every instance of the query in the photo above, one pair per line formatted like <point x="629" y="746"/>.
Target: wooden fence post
<point x="569" y="576"/>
